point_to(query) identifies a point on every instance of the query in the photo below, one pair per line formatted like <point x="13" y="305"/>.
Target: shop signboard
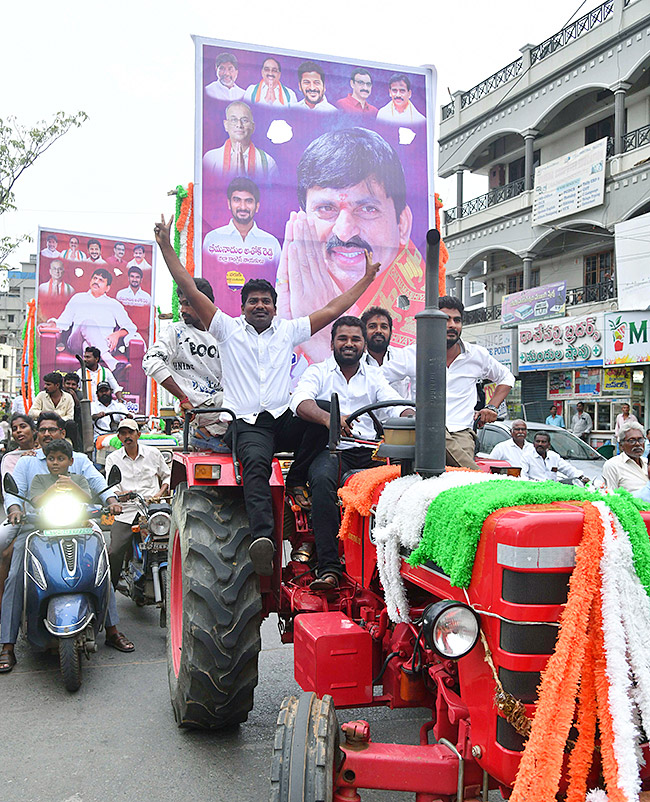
<point x="570" y="183"/>
<point x="627" y="338"/>
<point x="617" y="381"/>
<point x="502" y="345"/>
<point x="537" y="303"/>
<point x="572" y="342"/>
<point x="289" y="145"/>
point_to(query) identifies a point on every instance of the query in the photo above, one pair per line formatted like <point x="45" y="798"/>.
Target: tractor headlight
<point x="159" y="524"/>
<point x="450" y="628"/>
<point x="62" y="511"/>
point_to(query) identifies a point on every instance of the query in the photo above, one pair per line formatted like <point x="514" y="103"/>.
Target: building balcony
<point x="494" y="196"/>
<point x="593" y="293"/>
<point x="559" y="40"/>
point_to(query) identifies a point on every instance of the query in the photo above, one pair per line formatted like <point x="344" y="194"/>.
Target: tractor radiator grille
<point x="532" y="587"/>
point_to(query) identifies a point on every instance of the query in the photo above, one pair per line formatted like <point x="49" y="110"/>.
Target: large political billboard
<point x="95" y="291"/>
<point x="304" y="161"/>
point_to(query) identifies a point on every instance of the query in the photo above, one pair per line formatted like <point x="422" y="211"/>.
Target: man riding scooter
<point x="49" y="427"/>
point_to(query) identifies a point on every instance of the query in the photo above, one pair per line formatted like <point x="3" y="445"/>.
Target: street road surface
<point x="116" y="739"/>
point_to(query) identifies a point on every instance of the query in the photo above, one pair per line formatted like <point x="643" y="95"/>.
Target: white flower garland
<point x="399" y="523"/>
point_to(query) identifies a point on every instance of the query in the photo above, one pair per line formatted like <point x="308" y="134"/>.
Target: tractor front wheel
<point x="213" y="610"/>
<point x="306" y="751"/>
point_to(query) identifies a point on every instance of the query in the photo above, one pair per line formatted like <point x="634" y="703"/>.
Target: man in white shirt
<point x="516" y="448"/>
<point x="185" y="361"/>
<point x="144" y="471"/>
<point x="50" y="249"/>
<point x="56" y="287"/>
<point x="95" y="319"/>
<point x="311" y="80"/>
<point x="357" y="384"/>
<point x="625" y="416"/>
<point x="238" y="155"/>
<point x="581" y="423"/>
<point x="92" y="374"/>
<point x="402" y="368"/>
<point x="226" y="68"/>
<point x="138" y="259"/>
<point x="546" y="465"/>
<point x="134" y="295"/>
<point x="270" y="91"/>
<point x="400" y="110"/>
<point x="256" y="352"/>
<point x="629" y="469"/>
<point x="241" y="244"/>
<point x="466" y="365"/>
<point x="379" y="351"/>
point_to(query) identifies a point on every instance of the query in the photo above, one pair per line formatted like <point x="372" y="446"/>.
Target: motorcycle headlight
<point x="450" y="628"/>
<point x="63" y="510"/>
<point x="159" y="524"/>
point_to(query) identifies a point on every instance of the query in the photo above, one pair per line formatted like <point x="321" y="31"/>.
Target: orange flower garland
<point x="357" y="495"/>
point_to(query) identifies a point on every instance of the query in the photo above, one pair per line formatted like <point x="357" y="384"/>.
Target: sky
<point x="130" y="66"/>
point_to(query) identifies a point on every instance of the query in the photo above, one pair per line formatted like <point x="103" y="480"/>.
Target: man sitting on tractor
<point x="256" y="353"/>
<point x="357" y="384"/>
<point x="185" y="361"/>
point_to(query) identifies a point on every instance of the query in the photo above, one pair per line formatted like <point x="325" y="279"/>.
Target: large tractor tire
<point x="306" y="753"/>
<point x="213" y="610"/>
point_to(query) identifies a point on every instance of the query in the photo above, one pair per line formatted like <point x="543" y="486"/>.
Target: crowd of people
<point x="213" y="360"/>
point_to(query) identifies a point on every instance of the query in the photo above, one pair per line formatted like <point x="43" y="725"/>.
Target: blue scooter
<point x="67" y="579"/>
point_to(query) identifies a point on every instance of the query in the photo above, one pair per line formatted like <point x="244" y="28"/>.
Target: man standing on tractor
<point x="256" y="353"/>
<point x="357" y="384"/>
<point x="185" y="361"/>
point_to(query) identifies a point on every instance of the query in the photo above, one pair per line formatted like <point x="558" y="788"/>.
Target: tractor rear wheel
<point x="306" y="751"/>
<point x="213" y="609"/>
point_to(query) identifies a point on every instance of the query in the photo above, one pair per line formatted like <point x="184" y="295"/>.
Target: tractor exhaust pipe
<point x="431" y="371"/>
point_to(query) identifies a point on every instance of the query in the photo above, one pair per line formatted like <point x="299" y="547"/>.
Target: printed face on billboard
<point x="95" y="292"/>
<point x="303" y="164"/>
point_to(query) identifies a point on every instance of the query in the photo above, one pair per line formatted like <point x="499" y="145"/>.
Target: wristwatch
<point x="492" y="408"/>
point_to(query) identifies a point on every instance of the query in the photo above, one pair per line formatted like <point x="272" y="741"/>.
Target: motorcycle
<point x="144" y="573"/>
<point x="67" y="578"/>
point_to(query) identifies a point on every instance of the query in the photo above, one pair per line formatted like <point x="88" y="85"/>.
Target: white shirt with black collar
<point x="552" y="467"/>
<point x="257" y="367"/>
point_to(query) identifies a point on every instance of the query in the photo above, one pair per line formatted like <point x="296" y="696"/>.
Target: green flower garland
<point x="455" y="518"/>
<point x="181" y="194"/>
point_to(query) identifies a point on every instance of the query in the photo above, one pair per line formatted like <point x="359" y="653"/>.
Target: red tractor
<point x="347" y="653"/>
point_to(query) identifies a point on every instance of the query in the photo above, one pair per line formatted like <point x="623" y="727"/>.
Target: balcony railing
<point x="604" y="291"/>
<point x="559" y="40"/>
<point x="494" y="196"/>
<point x="572" y="32"/>
<point x="636" y="139"/>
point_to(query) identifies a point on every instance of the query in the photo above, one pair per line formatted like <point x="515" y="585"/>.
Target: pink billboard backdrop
<point x="95" y="291"/>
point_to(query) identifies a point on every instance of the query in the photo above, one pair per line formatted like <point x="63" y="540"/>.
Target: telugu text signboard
<point x="572" y="342"/>
<point x="95" y="291"/>
<point x="536" y="303"/>
<point x="627" y="338"/>
<point x="570" y="183"/>
<point x="304" y="161"/>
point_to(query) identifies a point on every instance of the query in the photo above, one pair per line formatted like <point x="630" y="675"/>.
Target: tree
<point x="19" y="149"/>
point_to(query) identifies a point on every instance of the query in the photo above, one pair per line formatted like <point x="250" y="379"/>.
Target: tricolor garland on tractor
<point x="516" y="612"/>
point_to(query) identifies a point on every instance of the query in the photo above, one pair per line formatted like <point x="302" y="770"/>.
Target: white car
<point x="571" y="448"/>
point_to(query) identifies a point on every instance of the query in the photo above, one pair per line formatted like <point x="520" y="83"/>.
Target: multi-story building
<point x="20" y="289"/>
<point x="588" y="82"/>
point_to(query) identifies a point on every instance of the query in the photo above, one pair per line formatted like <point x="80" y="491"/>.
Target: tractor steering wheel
<point x="335" y="417"/>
